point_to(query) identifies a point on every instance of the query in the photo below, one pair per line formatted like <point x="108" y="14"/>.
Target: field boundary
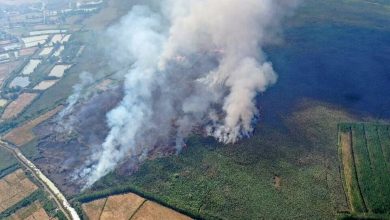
<point x="368" y="184"/>
<point x="85" y="198"/>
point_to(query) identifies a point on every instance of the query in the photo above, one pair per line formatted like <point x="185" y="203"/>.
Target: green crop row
<point x="371" y="154"/>
<point x="380" y="176"/>
<point x="384" y="137"/>
<point x="352" y="188"/>
<point x="363" y="165"/>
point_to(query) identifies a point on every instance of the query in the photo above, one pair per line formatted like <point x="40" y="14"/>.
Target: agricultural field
<point x="20" y="81"/>
<point x="31" y="66"/>
<point x="34" y="211"/>
<point x="55" y="39"/>
<point x="13" y="188"/>
<point x="152" y="210"/>
<point x="7" y="162"/>
<point x="59" y="70"/>
<point x="58" y="52"/>
<point x="28" y="51"/>
<point x="34" y="41"/>
<point x="18" y="105"/>
<point x="128" y="206"/>
<point x="6" y="69"/>
<point x="365" y="155"/>
<point x="24" y="134"/>
<point x="46" y="51"/>
<point x="45" y="84"/>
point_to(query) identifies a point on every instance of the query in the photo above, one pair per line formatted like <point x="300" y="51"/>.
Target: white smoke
<point x="195" y="63"/>
<point x="64" y="119"/>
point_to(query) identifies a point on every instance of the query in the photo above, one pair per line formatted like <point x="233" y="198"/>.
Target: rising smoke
<point x="193" y="63"/>
<point x="65" y="119"/>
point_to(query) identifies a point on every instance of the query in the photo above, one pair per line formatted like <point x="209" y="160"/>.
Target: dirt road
<point x="49" y="186"/>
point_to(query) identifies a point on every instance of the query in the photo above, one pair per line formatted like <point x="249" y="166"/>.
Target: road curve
<point x="49" y="186"/>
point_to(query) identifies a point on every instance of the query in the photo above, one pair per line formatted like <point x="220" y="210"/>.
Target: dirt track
<point x="60" y="199"/>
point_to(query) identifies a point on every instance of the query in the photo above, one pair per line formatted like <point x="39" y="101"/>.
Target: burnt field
<point x="65" y="145"/>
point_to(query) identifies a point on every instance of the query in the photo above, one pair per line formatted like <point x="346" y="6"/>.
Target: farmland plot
<point x="17" y="106"/>
<point x="364" y="150"/>
<point x="33" y="211"/>
<point x="30" y="67"/>
<point x="22" y="135"/>
<point x="40" y="32"/>
<point x="35" y="40"/>
<point x="27" y="51"/>
<point x="59" y="51"/>
<point x="45" y="84"/>
<point x="6" y="69"/>
<point x="20" y="82"/>
<point x="13" y="188"/>
<point x="59" y="70"/>
<point x="66" y="38"/>
<point x="55" y="39"/>
<point x="46" y="51"/>
<point x="128" y="206"/>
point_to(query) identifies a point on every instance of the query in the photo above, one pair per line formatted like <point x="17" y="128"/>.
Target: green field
<point x="8" y="163"/>
<point x="368" y="183"/>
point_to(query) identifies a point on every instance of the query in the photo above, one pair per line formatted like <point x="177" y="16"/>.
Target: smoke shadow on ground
<point x="342" y="65"/>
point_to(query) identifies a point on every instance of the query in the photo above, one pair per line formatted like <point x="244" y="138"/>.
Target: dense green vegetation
<point x="370" y="143"/>
<point x="352" y="186"/>
<point x="8" y="163"/>
<point x="209" y="180"/>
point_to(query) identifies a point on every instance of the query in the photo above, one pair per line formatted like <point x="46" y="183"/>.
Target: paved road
<point x="49" y="186"/>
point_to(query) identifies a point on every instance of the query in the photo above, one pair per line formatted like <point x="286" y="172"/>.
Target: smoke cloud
<point x="64" y="118"/>
<point x="194" y="63"/>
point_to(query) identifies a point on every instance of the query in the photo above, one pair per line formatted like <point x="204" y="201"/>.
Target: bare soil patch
<point x="121" y="206"/>
<point x="94" y="209"/>
<point x="17" y="106"/>
<point x="45" y="84"/>
<point x="153" y="211"/>
<point x="24" y="134"/>
<point x="13" y="188"/>
<point x="277" y="182"/>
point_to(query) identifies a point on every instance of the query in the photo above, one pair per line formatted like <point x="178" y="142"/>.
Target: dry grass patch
<point x="22" y="135"/>
<point x="17" y="106"/>
<point x="33" y="211"/>
<point x="59" y="70"/>
<point x="121" y="206"/>
<point x="153" y="211"/>
<point x="45" y="84"/>
<point x="277" y="182"/>
<point x="27" y="51"/>
<point x="94" y="209"/>
<point x="13" y="188"/>
<point x="6" y="69"/>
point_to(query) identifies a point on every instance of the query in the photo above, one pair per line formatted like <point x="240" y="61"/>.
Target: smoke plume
<point x="64" y="118"/>
<point x="193" y="63"/>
